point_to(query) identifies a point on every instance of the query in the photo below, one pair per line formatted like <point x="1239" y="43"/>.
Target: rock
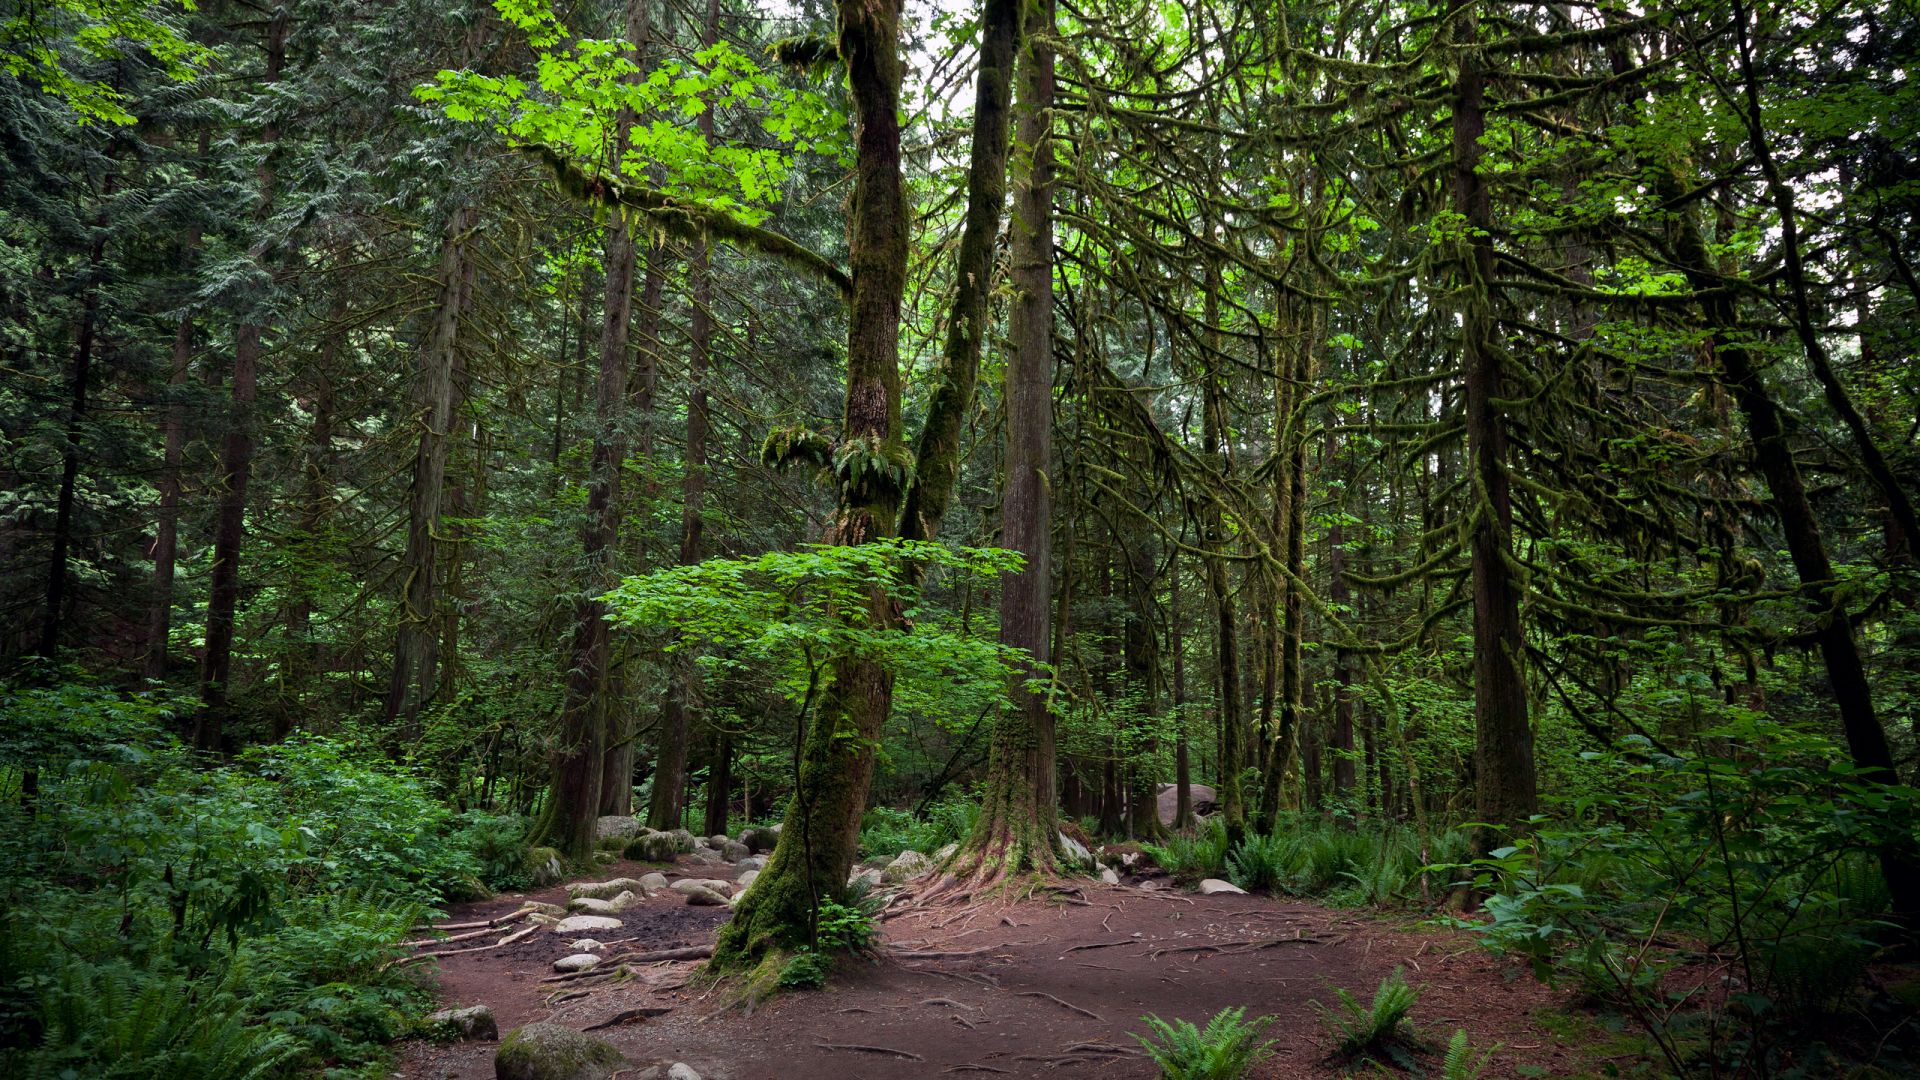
<point x="576" y="962"/>
<point x="587" y="945"/>
<point x="615" y="844"/>
<point x="544" y="866"/>
<point x="945" y="853"/>
<point x="475" y="1024"/>
<point x="587" y="905"/>
<point x="624" y="901"/>
<point x="625" y="828"/>
<point x="870" y="875"/>
<point x="1107" y="875"/>
<point x="685" y="838"/>
<point x="1149" y="885"/>
<point x="705" y="897"/>
<point x="682" y="1071"/>
<point x="758" y="840"/>
<point x="604" y="890"/>
<point x="603" y="858"/>
<point x="1214" y="885"/>
<point x="1168" y="800"/>
<point x="652" y="883"/>
<point x="586" y="924"/>
<point x="740" y="883"/>
<point x="734" y="851"/>
<point x="653" y="848"/>
<point x="540" y="919"/>
<point x="554" y="910"/>
<point x="715" y="884"/>
<point x="719" y="839"/>
<point x="751" y="862"/>
<point x="1075" y="848"/>
<point x="910" y="865"/>
<point x="553" y="1052"/>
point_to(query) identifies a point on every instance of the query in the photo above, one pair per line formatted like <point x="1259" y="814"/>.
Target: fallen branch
<point x="1218" y="946"/>
<point x="1100" y="1048"/>
<point x="869" y="1049"/>
<point x="448" y="940"/>
<point x="963" y="1021"/>
<point x="508" y="940"/>
<point x="696" y="952"/>
<point x="623" y="1017"/>
<point x="498" y="920"/>
<point x="902" y="954"/>
<point x="948" y="1001"/>
<point x="1101" y="945"/>
<point x="972" y="1068"/>
<point x="1057" y="1001"/>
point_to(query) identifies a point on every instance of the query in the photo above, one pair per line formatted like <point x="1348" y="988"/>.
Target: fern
<point x="1459" y="1063"/>
<point x="1227" y="1049"/>
<point x="1358" y="1030"/>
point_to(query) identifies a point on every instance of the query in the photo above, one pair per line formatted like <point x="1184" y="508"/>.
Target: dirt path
<point x="1055" y="989"/>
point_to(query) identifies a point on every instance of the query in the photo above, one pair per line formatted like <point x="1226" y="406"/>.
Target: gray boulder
<point x="554" y="910"/>
<point x="586" y="924"/>
<point x="685" y="838"/>
<point x="1168" y="800"/>
<point x="758" y="840"/>
<point x="740" y="883"/>
<point x="653" y="848"/>
<point x="652" y="883"/>
<point x="705" y="897"/>
<point x="1075" y="848"/>
<point x="475" y="1024"/>
<point x="733" y="851"/>
<point x="1211" y="886"/>
<point x="718" y="839"/>
<point x="682" y="1071"/>
<point x="605" y="858"/>
<point x="625" y="828"/>
<point x="689" y="884"/>
<point x="1107" y="875"/>
<point x="910" y="865"/>
<point x="604" y="890"/>
<point x="553" y="1052"/>
<point x="576" y="962"/>
<point x="587" y="905"/>
<point x="544" y="866"/>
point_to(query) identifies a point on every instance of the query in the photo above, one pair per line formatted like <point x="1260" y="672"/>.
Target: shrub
<point x="1459" y="1064"/>
<point x="1260" y="862"/>
<point x="1359" y="1031"/>
<point x="804" y="970"/>
<point x="1193" y="857"/>
<point x="1227" y="1049"/>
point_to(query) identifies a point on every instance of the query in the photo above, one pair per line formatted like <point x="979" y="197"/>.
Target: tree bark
<point x="1504" y="785"/>
<point x="719" y="782"/>
<point x="1213" y="426"/>
<point x="1017" y="829"/>
<point x="416" y="645"/>
<point x="56" y="596"/>
<point x="821" y="834"/>
<point x="166" y="532"/>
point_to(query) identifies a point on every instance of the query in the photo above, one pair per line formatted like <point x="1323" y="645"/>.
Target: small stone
<point x="714" y="884"/>
<point x="871" y="876"/>
<point x="554" y="1052"/>
<point x="734" y="851"/>
<point x="1214" y="885"/>
<point x="685" y="838"/>
<point x="652" y="883"/>
<point x="474" y="1024"/>
<point x="682" y="1071"/>
<point x="752" y="862"/>
<point x="624" y="901"/>
<point x="719" y="839"/>
<point x="945" y="853"/>
<point x="586" y="945"/>
<point x="1149" y="885"/>
<point x="554" y="910"/>
<point x="740" y="883"/>
<point x="1075" y="849"/>
<point x="576" y="962"/>
<point x="1107" y="875"/>
<point x="586" y="924"/>
<point x="605" y="857"/>
<point x="589" y="906"/>
<point x="539" y="918"/>
<point x="758" y="840"/>
<point x="703" y="897"/>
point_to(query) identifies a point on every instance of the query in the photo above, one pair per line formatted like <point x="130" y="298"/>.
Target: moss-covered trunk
<point x="822" y="829"/>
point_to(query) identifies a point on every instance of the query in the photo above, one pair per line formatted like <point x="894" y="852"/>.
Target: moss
<point x="552" y="1052"/>
<point x="544" y="865"/>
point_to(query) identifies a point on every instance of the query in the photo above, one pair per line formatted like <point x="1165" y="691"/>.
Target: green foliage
<point x="886" y="831"/>
<point x="804" y="970"/>
<point x="848" y="928"/>
<point x="1203" y="855"/>
<point x="497" y="844"/>
<point x="1459" y="1063"/>
<point x="95" y="33"/>
<point x="1359" y="1031"/>
<point x="114" y="1020"/>
<point x="1260" y="862"/>
<point x="1227" y="1049"/>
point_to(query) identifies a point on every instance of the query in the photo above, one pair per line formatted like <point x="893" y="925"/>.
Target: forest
<point x="1448" y="458"/>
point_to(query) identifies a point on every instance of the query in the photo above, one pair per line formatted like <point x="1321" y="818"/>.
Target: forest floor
<point x="1055" y="991"/>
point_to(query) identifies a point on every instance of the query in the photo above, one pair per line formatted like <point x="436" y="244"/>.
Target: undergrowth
<point x="1226" y="1049"/>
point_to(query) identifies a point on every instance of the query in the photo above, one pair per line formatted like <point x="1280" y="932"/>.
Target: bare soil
<point x="1054" y="990"/>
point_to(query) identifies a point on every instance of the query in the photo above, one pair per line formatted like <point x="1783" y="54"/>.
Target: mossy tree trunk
<point x="1016" y="830"/>
<point x="821" y="833"/>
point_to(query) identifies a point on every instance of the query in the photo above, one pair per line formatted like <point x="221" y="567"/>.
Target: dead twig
<point x="1100" y="945"/>
<point x="949" y="1001"/>
<point x="972" y="1068"/>
<point x="869" y="1050"/>
<point x="623" y="1017"/>
<point x="1066" y="1004"/>
<point x="902" y="954"/>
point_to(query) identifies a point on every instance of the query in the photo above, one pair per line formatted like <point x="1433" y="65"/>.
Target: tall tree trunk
<point x="1214" y="423"/>
<point x="1504" y="785"/>
<point x="236" y="462"/>
<point x="314" y="504"/>
<point x="1182" y="769"/>
<point x="416" y="644"/>
<point x="56" y="596"/>
<point x="1143" y="677"/>
<point x="166" y="531"/>
<point x="937" y="454"/>
<point x="719" y="782"/>
<point x="1017" y="829"/>
<point x="579" y="764"/>
<point x="821" y="833"/>
<point x="1339" y="595"/>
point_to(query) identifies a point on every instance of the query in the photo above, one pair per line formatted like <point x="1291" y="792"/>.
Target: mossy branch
<point x="683" y="218"/>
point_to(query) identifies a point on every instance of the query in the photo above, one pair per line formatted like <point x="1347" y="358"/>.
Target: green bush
<point x="497" y="845"/>
<point x="886" y="831"/>
<point x="1193" y="857"/>
<point x="1227" y="1049"/>
<point x="1374" y="1029"/>
<point x="1260" y="862"/>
